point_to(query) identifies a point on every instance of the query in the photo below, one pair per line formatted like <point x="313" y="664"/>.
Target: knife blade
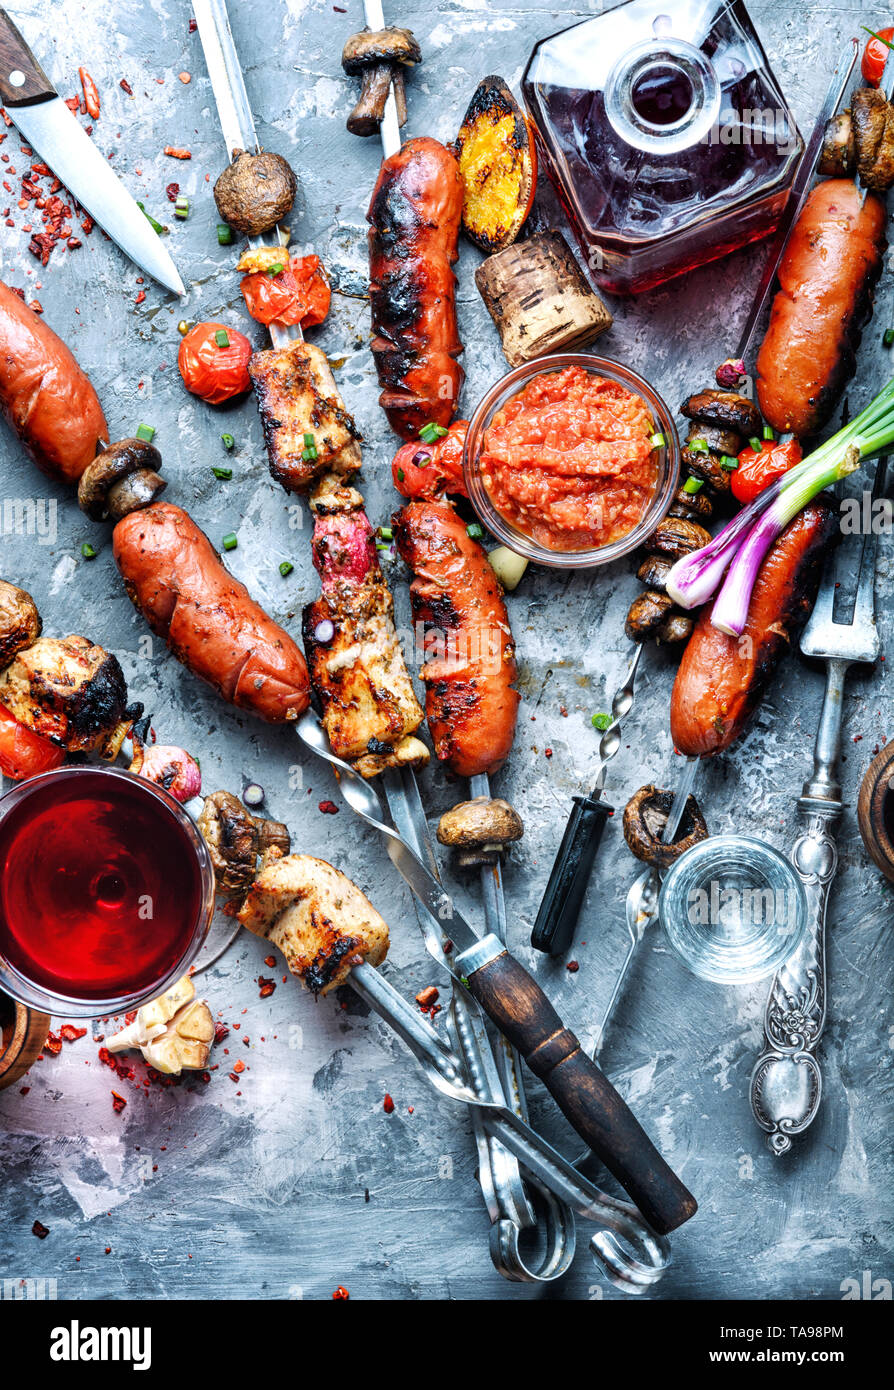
<point x="48" y="126"/>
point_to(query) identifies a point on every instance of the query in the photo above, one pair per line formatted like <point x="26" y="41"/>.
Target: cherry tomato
<point x="426" y="471"/>
<point x="298" y="294"/>
<point x="24" y="754"/>
<point x="212" y="369"/>
<point x="757" y="470"/>
<point x="874" y="57"/>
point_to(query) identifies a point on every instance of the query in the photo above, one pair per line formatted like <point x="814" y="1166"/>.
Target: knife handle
<point x="522" y="1012"/>
<point x="560" y="908"/>
<point x="22" y="79"/>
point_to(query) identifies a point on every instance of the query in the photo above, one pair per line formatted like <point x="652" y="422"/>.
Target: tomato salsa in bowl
<point x="571" y="460"/>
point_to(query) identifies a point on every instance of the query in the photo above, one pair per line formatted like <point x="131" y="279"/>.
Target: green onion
<point x="228" y="441"/>
<point x="285" y="567"/>
<point x="222" y="338"/>
<point x="181" y="207"/>
<point x="400" y="475"/>
<point x="768" y="432"/>
<point x="309" y="440"/>
<point x="223" y="473"/>
<point x="474" y="531"/>
<point x="146" y="432"/>
<point x="382" y="545"/>
<point x="386" y="533"/>
<point x="230" y="541"/>
<point x="183" y="328"/>
<point x="888" y="338"/>
<point x="430" y="432"/>
<point x="756" y="444"/>
<point x="874" y="35"/>
<point x="224" y="234"/>
<point x="276" y="268"/>
<point x="156" y="226"/>
<point x="729" y="462"/>
<point x="309" y="455"/>
<point x="601" y="721"/>
<point x="697" y="446"/>
<point x="693" y="485"/>
<point x="88" y="552"/>
<point x="657" y="441"/>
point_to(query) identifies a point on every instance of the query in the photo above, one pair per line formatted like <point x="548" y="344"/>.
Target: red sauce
<point x="568" y="460"/>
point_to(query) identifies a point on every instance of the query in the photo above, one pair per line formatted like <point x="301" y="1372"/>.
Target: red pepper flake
<point x="239" y="1067"/>
<point x="233" y="1076"/>
<point x="91" y="94"/>
<point x="40" y="1230"/>
<point x="108" y="1249"/>
<point x="126" y="87"/>
<point x="53" y="1044"/>
<point x="572" y="967"/>
<point x="547" y="752"/>
<point x="341" y="1292"/>
<point x="193" y="26"/>
<point x="118" y="1102"/>
<point x="23" y="1090"/>
<point x="6" y="119"/>
<point x="68" y="1031"/>
<point x="426" y="997"/>
<point x="221" y="1031"/>
<point x="173" y="192"/>
<point x="388" y="1104"/>
<point x="185" y="77"/>
<point x="270" y="961"/>
<point x="176" y="152"/>
<point x="73" y="243"/>
<point x="266" y="986"/>
<point x="140" y="297"/>
<point x="328" y="808"/>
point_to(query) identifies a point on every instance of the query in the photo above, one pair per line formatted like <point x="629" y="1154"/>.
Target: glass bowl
<point x="519" y="541"/>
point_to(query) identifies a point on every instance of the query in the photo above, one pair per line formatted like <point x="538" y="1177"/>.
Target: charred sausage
<point x="826" y="279"/>
<point x="209" y="620"/>
<point x="44" y="395"/>
<point x="470" y="666"/>
<point x="722" y="679"/>
<point x="414" y="216"/>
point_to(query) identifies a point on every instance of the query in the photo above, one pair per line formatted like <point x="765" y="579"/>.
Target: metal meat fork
<point x="786" y="1083"/>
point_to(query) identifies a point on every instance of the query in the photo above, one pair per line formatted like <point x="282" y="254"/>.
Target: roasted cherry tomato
<point x="24" y="754"/>
<point x="299" y="293"/>
<point x="875" y="55"/>
<point x="757" y="470"/>
<point x="426" y="471"/>
<point x="213" y="361"/>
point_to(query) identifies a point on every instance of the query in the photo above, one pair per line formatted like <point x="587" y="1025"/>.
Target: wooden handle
<point x="522" y="1012"/>
<point x="17" y="61"/>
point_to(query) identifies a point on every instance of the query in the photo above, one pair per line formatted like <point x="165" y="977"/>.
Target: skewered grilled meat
<point x="255" y="192"/>
<point x="306" y="426"/>
<point x="861" y="141"/>
<point x="354" y="657"/>
<point x="20" y="623"/>
<point x="67" y="690"/>
<point x="317" y="917"/>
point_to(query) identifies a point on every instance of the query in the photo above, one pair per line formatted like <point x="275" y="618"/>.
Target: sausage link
<point x="414" y="216"/>
<point x="44" y="395"/>
<point x="826" y="278"/>
<point x="470" y="667"/>
<point x="175" y="577"/>
<point x="721" y="679"/>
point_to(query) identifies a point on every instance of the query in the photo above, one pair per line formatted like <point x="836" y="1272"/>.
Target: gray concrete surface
<point x="258" y="1188"/>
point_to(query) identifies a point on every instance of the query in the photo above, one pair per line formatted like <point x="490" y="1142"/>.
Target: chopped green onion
<point x="693" y="485"/>
<point x="223" y="473"/>
<point x="756" y="444"/>
<point x="601" y="721"/>
<point x="228" y="441"/>
<point x="146" y="432"/>
<point x="222" y="338"/>
<point x="181" y="207"/>
<point x="888" y="339"/>
<point x="430" y="432"/>
<point x="474" y="531"/>
<point x="156" y="226"/>
<point x="657" y="441"/>
<point x="400" y="475"/>
<point x="382" y="545"/>
<point x="729" y="462"/>
<point x="386" y="533"/>
<point x="230" y="541"/>
<point x="768" y="432"/>
<point x="224" y="234"/>
<point x="309" y="455"/>
<point x="88" y="552"/>
<point x="183" y="328"/>
<point x="285" y="567"/>
<point x="276" y="269"/>
<point x="697" y="446"/>
<point x="309" y="440"/>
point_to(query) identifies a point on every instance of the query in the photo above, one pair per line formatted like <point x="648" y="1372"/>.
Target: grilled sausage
<point x="415" y="215"/>
<point x="44" y="395"/>
<point x="826" y="278"/>
<point x="722" y="679"/>
<point x="470" y="667"/>
<point x="209" y="620"/>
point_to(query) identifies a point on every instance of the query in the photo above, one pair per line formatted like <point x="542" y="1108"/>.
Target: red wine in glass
<point x="104" y="888"/>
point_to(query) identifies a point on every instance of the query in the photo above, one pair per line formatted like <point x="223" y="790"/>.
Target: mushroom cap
<point x="232" y="838"/>
<point x="255" y="191"/>
<point x="373" y="46"/>
<point x="478" y="823"/>
<point x="118" y="461"/>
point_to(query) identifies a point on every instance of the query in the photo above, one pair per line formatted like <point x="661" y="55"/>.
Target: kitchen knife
<point x="48" y="126"/>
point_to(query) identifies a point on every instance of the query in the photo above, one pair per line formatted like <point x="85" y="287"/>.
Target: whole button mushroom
<point x="479" y="830"/>
<point x="379" y="56"/>
<point x="122" y="479"/>
<point x="255" y="192"/>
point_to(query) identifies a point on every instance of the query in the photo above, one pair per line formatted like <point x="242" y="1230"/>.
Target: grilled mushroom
<point x="675" y="537"/>
<point x="122" y="479"/>
<point x="677" y="627"/>
<point x="708" y="467"/>
<point x="236" y="838"/>
<point x="872" y="117"/>
<point x="646" y="614"/>
<point x="699" y="503"/>
<point x="645" y="817"/>
<point x="722" y="441"/>
<point x="20" y="623"/>
<point x="255" y="192"/>
<point x="479" y="830"/>
<point x="726" y="409"/>
<point x="379" y="56"/>
<point x="839" y="156"/>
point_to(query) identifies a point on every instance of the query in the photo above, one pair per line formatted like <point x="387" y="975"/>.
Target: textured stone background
<point x="258" y="1189"/>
